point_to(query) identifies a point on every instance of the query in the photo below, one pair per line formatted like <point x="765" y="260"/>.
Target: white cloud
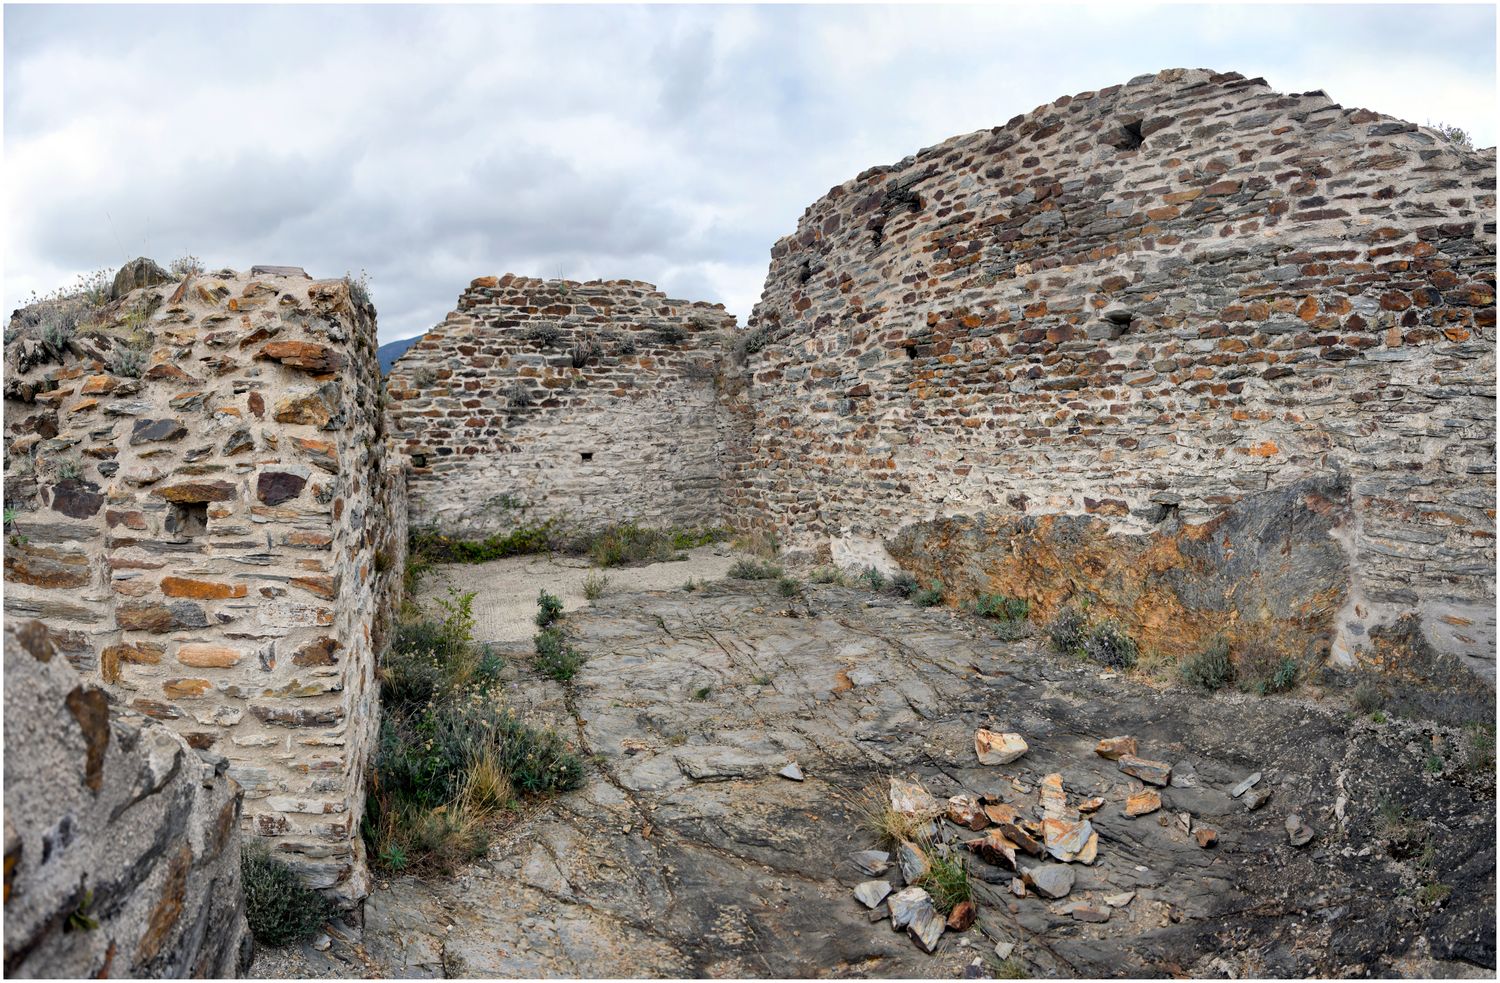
<point x="431" y="145"/>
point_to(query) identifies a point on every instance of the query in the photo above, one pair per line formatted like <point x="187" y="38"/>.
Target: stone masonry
<point x="1214" y="357"/>
<point x="198" y="508"/>
<point x="125" y="859"/>
<point x="590" y="402"/>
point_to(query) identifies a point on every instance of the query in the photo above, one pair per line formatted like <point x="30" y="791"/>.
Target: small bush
<point x="186" y="266"/>
<point x="359" y="288"/>
<point x="1068" y="631"/>
<point x="827" y="575"/>
<point x="545" y="335"/>
<point x="1012" y="631"/>
<point x="555" y="658"/>
<point x="754" y="341"/>
<point x="947" y="881"/>
<point x="279" y="909"/>
<point x="549" y="609"/>
<point x="1264" y="671"/>
<point x="1479" y="751"/>
<point x="748" y="569"/>
<point x="1368" y="697"/>
<point x="930" y="596"/>
<point x="1210" y="669"/>
<point x="594" y="585"/>
<point x="788" y="587"/>
<point x="1109" y="645"/>
<point x="517" y="396"/>
<point x="128" y="361"/>
<point x="872" y="578"/>
<point x="905" y="584"/>
<point x="999" y="607"/>
<point x="702" y="693"/>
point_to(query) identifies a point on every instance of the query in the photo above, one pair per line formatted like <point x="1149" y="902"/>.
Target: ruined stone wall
<point x="200" y="510"/>
<point x="122" y="844"/>
<point x="592" y="402"/>
<point x="1218" y="357"/>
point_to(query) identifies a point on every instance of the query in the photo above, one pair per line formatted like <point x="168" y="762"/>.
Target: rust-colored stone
<point x="206" y="590"/>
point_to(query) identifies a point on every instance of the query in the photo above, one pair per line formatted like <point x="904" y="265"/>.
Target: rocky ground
<point x="687" y="853"/>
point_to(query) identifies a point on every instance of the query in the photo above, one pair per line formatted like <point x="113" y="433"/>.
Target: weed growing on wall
<point x="280" y="910"/>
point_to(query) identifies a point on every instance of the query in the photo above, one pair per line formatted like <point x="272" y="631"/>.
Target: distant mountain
<point x="389" y="353"/>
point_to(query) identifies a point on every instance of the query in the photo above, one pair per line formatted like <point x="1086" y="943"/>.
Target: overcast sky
<point x="430" y="145"/>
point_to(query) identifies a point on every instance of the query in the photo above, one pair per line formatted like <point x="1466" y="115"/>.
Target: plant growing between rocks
<point x="1211" y="669"/>
<point x="594" y="585"/>
<point x="929" y="596"/>
<point x="748" y="569"/>
<point x="280" y="910"/>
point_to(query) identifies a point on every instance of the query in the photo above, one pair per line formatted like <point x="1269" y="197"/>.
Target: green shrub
<point x="905" y="584"/>
<point x="947" y="881"/>
<point x="827" y="575"/>
<point x="1210" y="669"/>
<point x="1263" y="671"/>
<point x="1109" y="645"/>
<point x="788" y="587"/>
<point x="1367" y="696"/>
<point x="594" y="585"/>
<point x="929" y="597"/>
<point x="555" y="658"/>
<point x="1011" y="631"/>
<point x="1479" y="750"/>
<point x="278" y="907"/>
<point x="748" y="569"/>
<point x="1068" y="631"/>
<point x="872" y="578"/>
<point x="549" y="609"/>
<point x="999" y="607"/>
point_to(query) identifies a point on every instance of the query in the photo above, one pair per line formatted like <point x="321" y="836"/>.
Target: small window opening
<point x="911" y="349"/>
<point x="585" y="455"/>
<point x="419" y="460"/>
<point x="187" y="520"/>
<point x="1166" y="512"/>
<point x="1130" y="136"/>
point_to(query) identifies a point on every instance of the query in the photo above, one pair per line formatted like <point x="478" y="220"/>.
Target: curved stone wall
<point x="1183" y="309"/>
<point x="592" y="402"/>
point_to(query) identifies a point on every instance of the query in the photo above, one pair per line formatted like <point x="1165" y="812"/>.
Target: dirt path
<point x="686" y="853"/>
<point x="506" y="590"/>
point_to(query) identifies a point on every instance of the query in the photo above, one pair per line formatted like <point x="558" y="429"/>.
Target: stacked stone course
<point x="1130" y="313"/>
<point x="590" y="402"/>
<point x="217" y="538"/>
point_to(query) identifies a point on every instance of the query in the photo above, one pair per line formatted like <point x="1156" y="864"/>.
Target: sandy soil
<point x="507" y="589"/>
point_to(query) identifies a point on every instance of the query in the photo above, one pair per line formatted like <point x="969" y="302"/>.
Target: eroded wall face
<point x="122" y="846"/>
<point x="591" y="402"/>
<point x="1145" y="307"/>
<point x="216" y="537"/>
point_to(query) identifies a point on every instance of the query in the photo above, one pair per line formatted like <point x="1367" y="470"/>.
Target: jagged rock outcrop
<point x="122" y="843"/>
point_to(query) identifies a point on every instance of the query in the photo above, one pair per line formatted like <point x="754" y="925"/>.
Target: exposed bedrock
<point x="1265" y="570"/>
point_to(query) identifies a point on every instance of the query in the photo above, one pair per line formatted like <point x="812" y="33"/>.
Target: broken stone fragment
<point x="1020" y="837"/>
<point x="1142" y="803"/>
<point x="1119" y="900"/>
<point x="155" y="431"/>
<point x="872" y="862"/>
<point x="1206" y="837"/>
<point x="905" y="904"/>
<point x="1065" y="839"/>
<point x="911" y="799"/>
<point x="1083" y="912"/>
<point x="275" y="487"/>
<point x="926" y="927"/>
<point x="1091" y="805"/>
<point x="1113" y="747"/>
<point x="871" y="893"/>
<point x="1154" y="772"/>
<point x="965" y="810"/>
<point x="1255" y="798"/>
<point x="1053" y="800"/>
<point x="961" y="918"/>
<point x="999" y="812"/>
<point x="1004" y="949"/>
<point x="1018" y="887"/>
<point x="1090" y="851"/>
<point x="1298" y="833"/>
<point x="1050" y="880"/>
<point x="1244" y="786"/>
<point x="998" y="749"/>
<point x="792" y="771"/>
<point x="994" y="848"/>
<point x="913" y="862"/>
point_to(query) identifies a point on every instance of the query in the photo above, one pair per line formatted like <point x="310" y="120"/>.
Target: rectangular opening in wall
<point x="186" y="520"/>
<point x="585" y="455"/>
<point x="911" y="349"/>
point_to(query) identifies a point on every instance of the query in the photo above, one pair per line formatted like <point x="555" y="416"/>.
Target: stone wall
<point x="592" y="402"/>
<point x="1187" y="320"/>
<point x="199" y="508"/>
<point x="122" y="844"/>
